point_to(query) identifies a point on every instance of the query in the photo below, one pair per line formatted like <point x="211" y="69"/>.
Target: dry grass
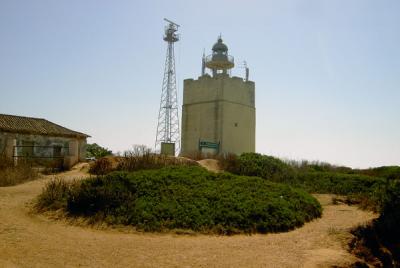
<point x="11" y="174"/>
<point x="139" y="158"/>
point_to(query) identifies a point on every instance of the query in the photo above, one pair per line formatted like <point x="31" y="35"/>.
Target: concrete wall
<point x="82" y="150"/>
<point x="218" y="109"/>
<point x="73" y="149"/>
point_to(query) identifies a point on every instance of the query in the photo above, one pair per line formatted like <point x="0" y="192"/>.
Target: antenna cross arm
<point x="177" y="25"/>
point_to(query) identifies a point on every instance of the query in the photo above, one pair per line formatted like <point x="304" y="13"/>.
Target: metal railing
<point x="46" y="152"/>
<point x="220" y="58"/>
<point x="41" y="156"/>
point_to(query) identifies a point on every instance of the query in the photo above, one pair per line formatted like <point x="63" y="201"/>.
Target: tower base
<point x="219" y="111"/>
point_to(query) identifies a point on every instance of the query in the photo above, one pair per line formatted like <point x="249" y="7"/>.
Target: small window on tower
<point x="236" y="124"/>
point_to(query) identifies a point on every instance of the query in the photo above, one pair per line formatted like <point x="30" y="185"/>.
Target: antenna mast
<point x="246" y="72"/>
<point x="167" y="137"/>
<point x="203" y="64"/>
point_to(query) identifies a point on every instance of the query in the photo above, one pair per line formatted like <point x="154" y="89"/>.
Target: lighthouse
<point x="218" y="111"/>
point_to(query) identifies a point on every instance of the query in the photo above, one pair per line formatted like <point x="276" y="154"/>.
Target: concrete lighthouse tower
<point x="218" y="112"/>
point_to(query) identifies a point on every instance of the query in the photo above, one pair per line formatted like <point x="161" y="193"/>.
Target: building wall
<point x="218" y="109"/>
<point x="73" y="149"/>
<point x="2" y="144"/>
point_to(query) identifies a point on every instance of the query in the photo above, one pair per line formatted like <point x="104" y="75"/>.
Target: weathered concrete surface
<point x="73" y="149"/>
<point x="218" y="109"/>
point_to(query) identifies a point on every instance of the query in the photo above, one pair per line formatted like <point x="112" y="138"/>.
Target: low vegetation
<point x="184" y="198"/>
<point x="258" y="193"/>
<point x="54" y="195"/>
<point x="311" y="177"/>
<point x="389" y="220"/>
<point x="378" y="242"/>
<point x="103" y="165"/>
<point x="11" y="174"/>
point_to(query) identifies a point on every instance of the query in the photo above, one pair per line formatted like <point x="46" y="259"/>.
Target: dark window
<point x="57" y="151"/>
<point x="27" y="148"/>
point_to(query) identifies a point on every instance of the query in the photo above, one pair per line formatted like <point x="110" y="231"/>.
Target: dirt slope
<point x="29" y="240"/>
<point x="210" y="164"/>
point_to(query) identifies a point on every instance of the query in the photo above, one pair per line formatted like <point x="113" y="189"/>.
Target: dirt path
<point x="29" y="240"/>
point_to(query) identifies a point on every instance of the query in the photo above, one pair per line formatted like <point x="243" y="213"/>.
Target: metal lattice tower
<point x="168" y="119"/>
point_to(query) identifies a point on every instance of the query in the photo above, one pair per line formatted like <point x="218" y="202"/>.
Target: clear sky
<point x="327" y="73"/>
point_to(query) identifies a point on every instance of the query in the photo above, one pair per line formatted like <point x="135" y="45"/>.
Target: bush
<point x="388" y="172"/>
<point x="54" y="195"/>
<point x="253" y="164"/>
<point x="101" y="166"/>
<point x="389" y="220"/>
<point x="336" y="183"/>
<point x="359" y="189"/>
<point x="315" y="177"/>
<point x="379" y="240"/>
<point x="192" y="198"/>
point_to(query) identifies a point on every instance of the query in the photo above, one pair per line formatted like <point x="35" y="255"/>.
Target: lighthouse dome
<point x="219" y="46"/>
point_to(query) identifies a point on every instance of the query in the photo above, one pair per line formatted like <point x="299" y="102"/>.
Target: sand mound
<point x="210" y="165"/>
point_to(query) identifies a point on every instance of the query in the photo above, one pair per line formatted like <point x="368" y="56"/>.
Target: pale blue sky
<point x="327" y="73"/>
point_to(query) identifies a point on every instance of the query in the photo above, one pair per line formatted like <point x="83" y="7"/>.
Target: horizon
<point x="326" y="73"/>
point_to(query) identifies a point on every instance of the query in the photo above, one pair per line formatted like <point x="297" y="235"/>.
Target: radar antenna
<point x="167" y="137"/>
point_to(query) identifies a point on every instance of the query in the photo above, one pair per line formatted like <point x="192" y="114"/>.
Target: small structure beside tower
<point x="218" y="112"/>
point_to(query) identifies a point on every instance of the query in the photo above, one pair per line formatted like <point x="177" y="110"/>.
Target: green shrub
<point x="192" y="198"/>
<point x="315" y="177"/>
<point x="268" y="167"/>
<point x="387" y="172"/>
<point x="359" y="189"/>
<point x="389" y="220"/>
<point x="380" y="239"/>
<point x="95" y="150"/>
<point x="337" y="183"/>
<point x="308" y="166"/>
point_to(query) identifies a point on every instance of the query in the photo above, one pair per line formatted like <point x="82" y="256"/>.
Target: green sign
<point x="208" y="144"/>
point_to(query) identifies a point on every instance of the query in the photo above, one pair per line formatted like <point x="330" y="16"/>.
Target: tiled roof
<point x="39" y="126"/>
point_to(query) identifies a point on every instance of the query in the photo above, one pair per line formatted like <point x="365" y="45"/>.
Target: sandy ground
<point x="210" y="164"/>
<point x="30" y="240"/>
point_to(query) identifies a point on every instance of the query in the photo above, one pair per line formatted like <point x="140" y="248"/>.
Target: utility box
<point x="168" y="148"/>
